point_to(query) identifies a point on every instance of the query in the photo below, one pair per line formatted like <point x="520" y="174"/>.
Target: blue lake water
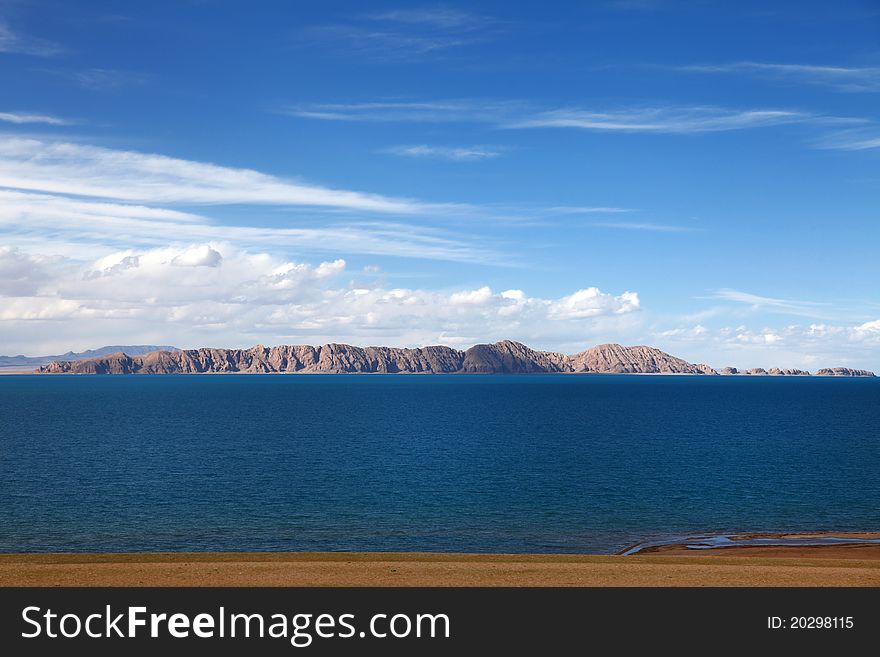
<point x="534" y="463"/>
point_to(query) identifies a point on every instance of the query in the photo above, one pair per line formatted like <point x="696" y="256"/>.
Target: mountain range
<point x="35" y="361"/>
<point x="505" y="357"/>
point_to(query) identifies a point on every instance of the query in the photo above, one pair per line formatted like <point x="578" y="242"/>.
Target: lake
<point x="528" y="463"/>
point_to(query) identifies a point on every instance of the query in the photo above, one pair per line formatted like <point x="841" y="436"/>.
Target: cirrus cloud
<point x="85" y="170"/>
<point x="454" y="153"/>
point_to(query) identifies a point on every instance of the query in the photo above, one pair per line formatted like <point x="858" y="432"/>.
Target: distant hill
<point x="36" y="361"/>
<point x="498" y="358"/>
<point x="505" y="357"/>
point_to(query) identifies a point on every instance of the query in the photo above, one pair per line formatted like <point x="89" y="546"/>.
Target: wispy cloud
<point x="115" y="194"/>
<point x="851" y="140"/>
<point x="435" y="111"/>
<point x="454" y="153"/>
<point x="577" y="209"/>
<point x="634" y="4"/>
<point x="22" y="44"/>
<point x="79" y="227"/>
<point x="24" y="118"/>
<point x="654" y="228"/>
<point x="402" y="34"/>
<point x="439" y="17"/>
<point x="47" y="166"/>
<point x="787" y="306"/>
<point x="661" y="120"/>
<point x="85" y="170"/>
<point x="101" y="79"/>
<point x="841" y="78"/>
<point x="519" y="115"/>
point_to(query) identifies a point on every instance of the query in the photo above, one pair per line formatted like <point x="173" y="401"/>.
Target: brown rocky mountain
<point x="843" y="371"/>
<point x="785" y="371"/>
<point x="506" y="357"/>
<point x="499" y="358"/>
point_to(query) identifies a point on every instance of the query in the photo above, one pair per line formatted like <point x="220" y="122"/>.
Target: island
<point x="505" y="357"/>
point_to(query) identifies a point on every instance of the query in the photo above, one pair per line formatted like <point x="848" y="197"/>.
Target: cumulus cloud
<point x="869" y="326"/>
<point x="198" y="256"/>
<point x="808" y="347"/>
<point x="21" y="273"/>
<point x="591" y="302"/>
<point x="216" y="293"/>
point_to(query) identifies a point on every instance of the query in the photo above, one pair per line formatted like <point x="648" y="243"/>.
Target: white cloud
<point x="445" y="18"/>
<point x="785" y="306"/>
<point x="103" y="79"/>
<point x="685" y="333"/>
<point x="84" y="170"/>
<point x="232" y="297"/>
<point x="591" y="302"/>
<point x="807" y="347"/>
<point x="24" y="117"/>
<point x="77" y="226"/>
<point x="217" y="293"/>
<point x="841" y="78"/>
<point x="472" y="297"/>
<point x="654" y="228"/>
<point x="457" y="154"/>
<point x="27" y="309"/>
<point x="21" y="273"/>
<point x="569" y="209"/>
<point x="679" y="120"/>
<point x="29" y="206"/>
<point x="857" y="139"/>
<point x="515" y="114"/>
<point x="432" y="111"/>
<point x="197" y="256"/>
<point x="15" y="42"/>
<point x="519" y="115"/>
<point x="401" y="34"/>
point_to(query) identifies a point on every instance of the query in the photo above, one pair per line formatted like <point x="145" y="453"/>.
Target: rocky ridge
<point x="843" y="371"/>
<point x="505" y="357"/>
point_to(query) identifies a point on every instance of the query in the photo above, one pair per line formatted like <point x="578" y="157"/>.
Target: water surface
<point x="533" y="463"/>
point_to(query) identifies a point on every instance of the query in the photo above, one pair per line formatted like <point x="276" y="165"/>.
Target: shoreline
<point x="853" y="563"/>
<point x="15" y="371"/>
<point x="755" y="542"/>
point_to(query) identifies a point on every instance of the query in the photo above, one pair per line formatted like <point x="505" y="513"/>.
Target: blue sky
<point x="699" y="176"/>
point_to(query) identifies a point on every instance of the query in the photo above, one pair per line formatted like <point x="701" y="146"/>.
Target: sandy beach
<point x="838" y="565"/>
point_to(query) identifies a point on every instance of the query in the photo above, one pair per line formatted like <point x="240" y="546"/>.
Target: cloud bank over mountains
<point x="102" y="245"/>
<point x="218" y="293"/>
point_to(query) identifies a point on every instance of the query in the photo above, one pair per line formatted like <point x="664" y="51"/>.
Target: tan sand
<point x="832" y="566"/>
